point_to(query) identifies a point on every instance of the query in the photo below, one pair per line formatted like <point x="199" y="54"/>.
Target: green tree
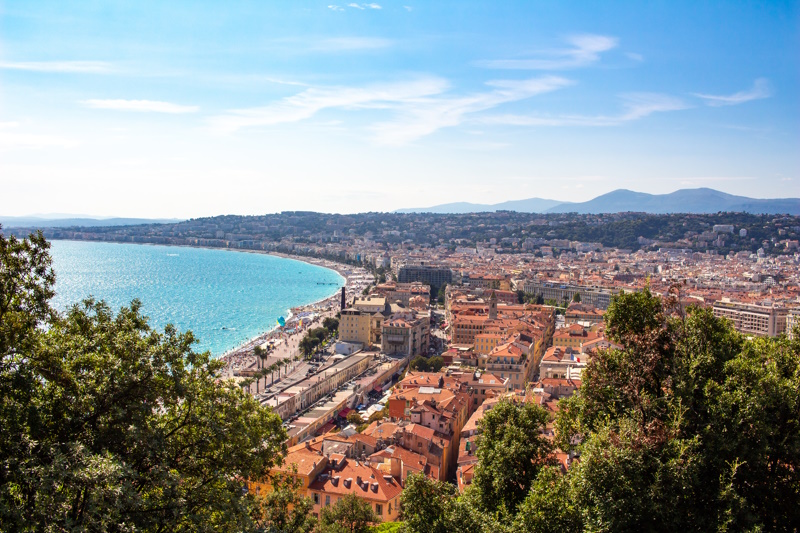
<point x="388" y="527"/>
<point x="420" y="364"/>
<point x="431" y="506"/>
<point x="379" y="415"/>
<point x="511" y="451"/>
<point x="111" y="426"/>
<point x="331" y="324"/>
<point x="26" y="286"/>
<point x="690" y="427"/>
<point x="442" y="293"/>
<point x="576" y="297"/>
<point x="354" y="418"/>
<point x="550" y="505"/>
<point x="435" y="363"/>
<point x="283" y="509"/>
<point x="308" y="344"/>
<point x="350" y="514"/>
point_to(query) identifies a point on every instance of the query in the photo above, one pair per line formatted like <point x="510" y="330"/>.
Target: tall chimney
<point x="344" y="303"/>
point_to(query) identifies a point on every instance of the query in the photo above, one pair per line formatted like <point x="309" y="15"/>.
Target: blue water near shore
<point x="196" y="289"/>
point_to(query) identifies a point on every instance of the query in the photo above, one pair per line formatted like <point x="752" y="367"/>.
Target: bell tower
<point x="493" y="306"/>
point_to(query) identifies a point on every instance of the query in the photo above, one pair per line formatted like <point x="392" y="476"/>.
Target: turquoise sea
<point x="196" y="289"/>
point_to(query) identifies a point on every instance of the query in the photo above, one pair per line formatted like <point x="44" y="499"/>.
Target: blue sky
<point x="185" y="109"/>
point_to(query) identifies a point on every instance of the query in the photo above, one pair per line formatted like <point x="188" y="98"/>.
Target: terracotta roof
<point x="305" y="460"/>
<point x="374" y="486"/>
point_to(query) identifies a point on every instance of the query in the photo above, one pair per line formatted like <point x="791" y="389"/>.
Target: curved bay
<point x="202" y="290"/>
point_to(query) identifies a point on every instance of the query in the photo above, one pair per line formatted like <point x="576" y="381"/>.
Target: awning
<point x="344" y="412"/>
<point x="377" y="388"/>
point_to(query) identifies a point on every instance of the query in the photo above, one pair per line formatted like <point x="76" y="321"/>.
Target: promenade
<point x="283" y="342"/>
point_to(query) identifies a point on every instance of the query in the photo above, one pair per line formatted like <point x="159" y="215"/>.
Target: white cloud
<point x="309" y="102"/>
<point x="152" y="106"/>
<point x="636" y="106"/>
<point x="336" y="8"/>
<point x="427" y="115"/>
<point x="66" y="67"/>
<point x="585" y="49"/>
<point x="761" y="89"/>
<point x="419" y="106"/>
<point x="356" y="6"/>
<point x="408" y="8"/>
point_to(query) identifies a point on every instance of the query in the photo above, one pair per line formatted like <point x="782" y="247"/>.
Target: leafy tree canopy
<point x="691" y="427"/>
<point x="283" y="509"/>
<point x="350" y="514"/>
<point x="511" y="451"/>
<point x="109" y="425"/>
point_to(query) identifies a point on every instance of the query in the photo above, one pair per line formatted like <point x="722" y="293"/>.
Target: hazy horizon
<point x="157" y="110"/>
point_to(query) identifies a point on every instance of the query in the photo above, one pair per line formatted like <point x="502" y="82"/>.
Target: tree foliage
<point x="427" y="364"/>
<point x="111" y="426"/>
<point x="331" y="324"/>
<point x="691" y="427"/>
<point x="283" y="509"/>
<point x="350" y="514"/>
<point x="549" y="506"/>
<point x="511" y="451"/>
<point x="431" y="506"/>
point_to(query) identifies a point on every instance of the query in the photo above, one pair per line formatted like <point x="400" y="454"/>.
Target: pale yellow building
<point x="354" y="326"/>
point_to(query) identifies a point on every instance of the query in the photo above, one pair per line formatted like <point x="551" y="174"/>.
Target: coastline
<point x="322" y="308"/>
<point x="283" y="343"/>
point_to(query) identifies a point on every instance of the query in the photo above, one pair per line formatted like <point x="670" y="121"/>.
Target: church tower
<point x="493" y="306"/>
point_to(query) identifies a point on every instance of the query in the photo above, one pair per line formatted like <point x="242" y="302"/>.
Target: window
<point x="378" y="509"/>
<point x="316" y="499"/>
<point x="327" y="499"/>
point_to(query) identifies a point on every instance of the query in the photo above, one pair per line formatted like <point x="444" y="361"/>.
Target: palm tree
<point x="261" y="354"/>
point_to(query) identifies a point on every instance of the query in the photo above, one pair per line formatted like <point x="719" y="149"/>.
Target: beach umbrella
<point x="281" y="321"/>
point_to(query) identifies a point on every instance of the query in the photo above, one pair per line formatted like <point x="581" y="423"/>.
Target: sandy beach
<point x="283" y="343"/>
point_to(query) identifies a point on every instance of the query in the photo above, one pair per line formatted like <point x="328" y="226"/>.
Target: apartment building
<point x="345" y="476"/>
<point x="753" y="319"/>
<point x="433" y="275"/>
<point x="406" y="332"/>
<point x="574" y="336"/>
<point x="511" y="361"/>
<point x="560" y="292"/>
<point x="355" y="326"/>
<point x="403" y="292"/>
<point x="792" y="321"/>
<point x="584" y="314"/>
<point x="560" y="362"/>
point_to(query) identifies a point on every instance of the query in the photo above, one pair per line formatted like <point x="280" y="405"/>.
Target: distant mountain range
<point x="531" y="205"/>
<point x="701" y="200"/>
<point x="61" y="221"/>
